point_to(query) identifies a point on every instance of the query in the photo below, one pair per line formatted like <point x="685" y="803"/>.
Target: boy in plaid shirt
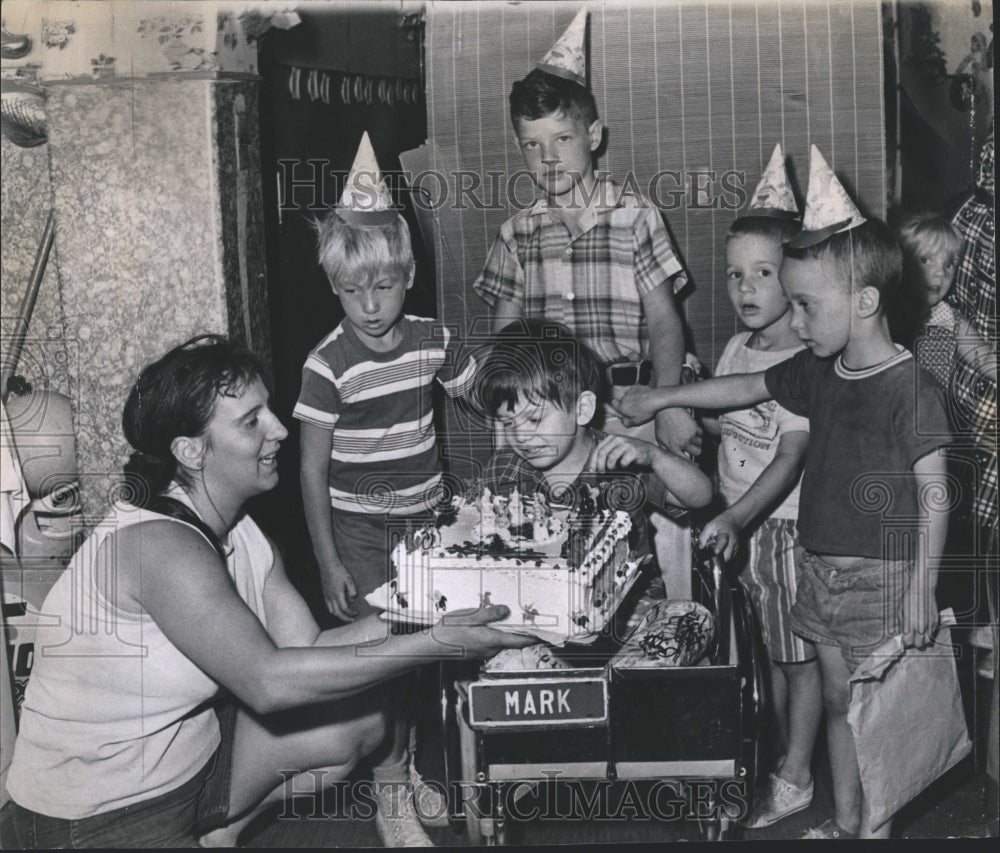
<point x="594" y="258"/>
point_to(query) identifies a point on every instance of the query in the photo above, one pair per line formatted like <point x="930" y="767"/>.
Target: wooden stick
<point x="28" y="305"/>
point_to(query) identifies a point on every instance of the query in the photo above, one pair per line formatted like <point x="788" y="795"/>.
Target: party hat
<point x="366" y="199"/>
<point x="829" y="208"/>
<point x="568" y="58"/>
<point x="773" y="196"/>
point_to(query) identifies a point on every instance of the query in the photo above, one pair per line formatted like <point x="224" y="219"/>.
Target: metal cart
<point x="695" y="728"/>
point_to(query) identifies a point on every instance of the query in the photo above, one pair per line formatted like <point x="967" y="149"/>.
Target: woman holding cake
<point x="123" y="740"/>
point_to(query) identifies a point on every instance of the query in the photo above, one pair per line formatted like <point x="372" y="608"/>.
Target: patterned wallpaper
<point x="140" y="262"/>
<point x="24" y="206"/>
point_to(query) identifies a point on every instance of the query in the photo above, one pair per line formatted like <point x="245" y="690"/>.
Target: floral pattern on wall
<point x="55" y="34"/>
<point x="177" y="36"/>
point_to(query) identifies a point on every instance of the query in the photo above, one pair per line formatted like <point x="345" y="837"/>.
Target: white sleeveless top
<point x="114" y="713"/>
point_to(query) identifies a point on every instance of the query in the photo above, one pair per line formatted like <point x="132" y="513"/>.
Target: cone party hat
<point x="774" y="196"/>
<point x="366" y="199"/>
<point x="568" y="57"/>
<point x="829" y="208"/>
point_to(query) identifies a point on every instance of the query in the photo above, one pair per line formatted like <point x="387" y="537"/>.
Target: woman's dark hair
<point x="176" y="396"/>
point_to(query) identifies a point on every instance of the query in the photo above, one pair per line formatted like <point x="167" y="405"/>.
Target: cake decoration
<point x="562" y="571"/>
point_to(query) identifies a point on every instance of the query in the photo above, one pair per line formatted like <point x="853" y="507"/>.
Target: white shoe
<point x="396" y="818"/>
<point x="778" y="799"/>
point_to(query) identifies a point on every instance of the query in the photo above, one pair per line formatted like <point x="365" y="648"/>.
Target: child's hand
<point x="919" y="613"/>
<point x="339" y="590"/>
<point x="678" y="431"/>
<point x="636" y="406"/>
<point x="723" y="534"/>
<point x="620" y="451"/>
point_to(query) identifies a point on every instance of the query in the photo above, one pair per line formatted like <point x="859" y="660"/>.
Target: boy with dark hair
<point x="542" y="386"/>
<point x="594" y="258"/>
<point x="873" y="452"/>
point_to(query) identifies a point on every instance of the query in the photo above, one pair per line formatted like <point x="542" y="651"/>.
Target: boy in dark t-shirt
<point x="872" y="531"/>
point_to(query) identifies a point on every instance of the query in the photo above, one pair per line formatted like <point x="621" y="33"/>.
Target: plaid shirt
<point x="592" y="278"/>
<point x="974" y="293"/>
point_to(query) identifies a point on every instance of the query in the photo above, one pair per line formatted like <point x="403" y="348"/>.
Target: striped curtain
<point x="691" y="92"/>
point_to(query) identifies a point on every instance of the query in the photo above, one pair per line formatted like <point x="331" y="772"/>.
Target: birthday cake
<point x="562" y="573"/>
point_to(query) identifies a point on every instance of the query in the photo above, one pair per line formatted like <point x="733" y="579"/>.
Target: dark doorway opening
<point x="323" y="84"/>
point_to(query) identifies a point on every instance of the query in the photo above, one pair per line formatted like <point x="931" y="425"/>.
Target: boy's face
<point x="822" y="304"/>
<point x="374" y="305"/>
<point x="558" y="150"/>
<point x="542" y="433"/>
<point x="752" y="265"/>
<point x="938" y="271"/>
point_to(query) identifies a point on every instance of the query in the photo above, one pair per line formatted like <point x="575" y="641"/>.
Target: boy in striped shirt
<point x="368" y="446"/>
<point x="369" y="455"/>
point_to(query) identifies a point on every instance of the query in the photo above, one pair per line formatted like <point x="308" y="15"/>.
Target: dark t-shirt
<point x="866" y="430"/>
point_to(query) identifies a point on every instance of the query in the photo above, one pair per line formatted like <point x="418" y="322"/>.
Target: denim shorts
<point x="854" y="607"/>
<point x="174" y="819"/>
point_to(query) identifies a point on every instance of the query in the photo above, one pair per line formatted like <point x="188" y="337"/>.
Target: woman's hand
<point x="469" y="631"/>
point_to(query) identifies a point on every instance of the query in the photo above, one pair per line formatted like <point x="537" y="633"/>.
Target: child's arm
<point x="339" y="589"/>
<point x="689" y="487"/>
<point x="774" y="482"/>
<point x="676" y="430"/>
<point x="975" y="350"/>
<point x="736" y="391"/>
<point x="919" y="615"/>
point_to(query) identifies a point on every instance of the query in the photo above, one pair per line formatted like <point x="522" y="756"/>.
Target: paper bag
<point x="908" y="722"/>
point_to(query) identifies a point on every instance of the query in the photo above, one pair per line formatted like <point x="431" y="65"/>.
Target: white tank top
<point x="114" y="713"/>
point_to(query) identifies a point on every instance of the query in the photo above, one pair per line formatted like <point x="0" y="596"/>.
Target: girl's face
<point x="243" y="438"/>
<point x="937" y="269"/>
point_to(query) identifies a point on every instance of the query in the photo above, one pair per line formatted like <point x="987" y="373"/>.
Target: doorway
<point x="324" y="83"/>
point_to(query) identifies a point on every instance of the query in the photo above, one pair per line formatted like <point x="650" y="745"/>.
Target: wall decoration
<point x="55" y="34"/>
<point x="103" y="66"/>
<point x="13" y="45"/>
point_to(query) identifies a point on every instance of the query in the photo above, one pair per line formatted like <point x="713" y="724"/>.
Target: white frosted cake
<point x="561" y="573"/>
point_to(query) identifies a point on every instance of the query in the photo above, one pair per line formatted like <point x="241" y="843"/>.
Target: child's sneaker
<point x="829" y="829"/>
<point x="396" y="818"/>
<point x="778" y="799"/>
